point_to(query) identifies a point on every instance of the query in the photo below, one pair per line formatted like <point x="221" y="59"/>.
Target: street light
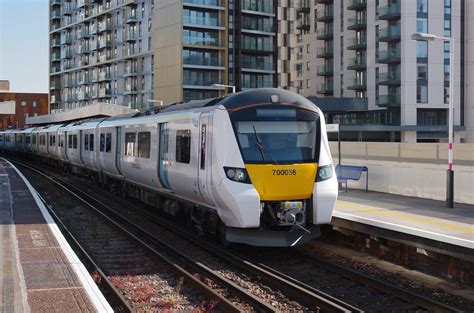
<point x="223" y="86"/>
<point x="450" y="177"/>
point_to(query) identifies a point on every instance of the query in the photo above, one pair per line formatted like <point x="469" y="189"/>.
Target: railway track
<point x="310" y="298"/>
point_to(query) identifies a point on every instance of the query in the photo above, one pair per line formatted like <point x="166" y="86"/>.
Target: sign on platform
<point x="332" y="128"/>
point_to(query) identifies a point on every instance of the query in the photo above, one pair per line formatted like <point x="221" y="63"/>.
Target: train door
<point x="163" y="160"/>
<point x="204" y="167"/>
<point x="118" y="150"/>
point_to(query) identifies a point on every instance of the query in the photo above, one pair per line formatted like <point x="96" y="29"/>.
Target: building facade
<point x="26" y="105"/>
<point x="363" y="49"/>
<point x="135" y="52"/>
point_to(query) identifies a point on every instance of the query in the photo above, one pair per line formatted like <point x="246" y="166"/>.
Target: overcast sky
<point x="24" y="44"/>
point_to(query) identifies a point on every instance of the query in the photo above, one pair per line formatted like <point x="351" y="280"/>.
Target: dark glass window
<point x="130" y="139"/>
<point x="183" y="146"/>
<point x="422" y="6"/>
<point x="74" y="141"/>
<point x="144" y="145"/>
<point x="102" y="143"/>
<point x="108" y="142"/>
<point x="86" y="142"/>
<point x="91" y="142"/>
<point x="421" y="49"/>
<point x="69" y="142"/>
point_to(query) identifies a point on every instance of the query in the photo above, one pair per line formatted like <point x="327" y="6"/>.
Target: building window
<point x="23" y="103"/>
<point x="422" y="25"/>
<point x="183" y="146"/>
<point x="422" y="72"/>
<point x="422" y="49"/>
<point x="34" y="103"/>
<point x="422" y="94"/>
<point x="144" y="145"/>
<point x="422" y="6"/>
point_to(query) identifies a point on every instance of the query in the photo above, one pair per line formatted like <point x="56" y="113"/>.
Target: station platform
<point x="39" y="272"/>
<point x="422" y="223"/>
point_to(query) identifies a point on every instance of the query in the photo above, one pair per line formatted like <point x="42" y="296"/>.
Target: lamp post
<point x="224" y="86"/>
<point x="450" y="172"/>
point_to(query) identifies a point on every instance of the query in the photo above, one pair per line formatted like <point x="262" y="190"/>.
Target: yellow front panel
<point x="283" y="182"/>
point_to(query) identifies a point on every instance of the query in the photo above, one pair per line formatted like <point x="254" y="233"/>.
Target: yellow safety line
<point x="408" y="217"/>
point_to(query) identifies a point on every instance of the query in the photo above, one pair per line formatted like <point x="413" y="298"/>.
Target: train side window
<point x="33" y="139"/>
<point x="61" y="140"/>
<point x="42" y="140"/>
<point x="183" y="146"/>
<point x="102" y="143"/>
<point x="69" y="141"/>
<point x="144" y="145"/>
<point x="27" y="139"/>
<point x="86" y="142"/>
<point x="108" y="142"/>
<point x="130" y="139"/>
<point x="74" y="141"/>
<point x="91" y="142"/>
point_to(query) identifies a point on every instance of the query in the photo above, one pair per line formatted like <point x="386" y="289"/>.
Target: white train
<point x="253" y="167"/>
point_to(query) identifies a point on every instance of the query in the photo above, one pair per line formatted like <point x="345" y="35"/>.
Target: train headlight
<point x="324" y="173"/>
<point x="237" y="174"/>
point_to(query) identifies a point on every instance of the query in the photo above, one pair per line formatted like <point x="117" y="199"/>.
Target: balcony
<point x="81" y="3"/>
<point x="303" y="6"/>
<point x="357" y="4"/>
<point x="85" y="33"/>
<point x="325" y="88"/>
<point x="55" y="85"/>
<point x="131" y="17"/>
<point x="84" y="80"/>
<point x="358" y="43"/>
<point x="201" y="41"/>
<point x="325" y="52"/>
<point x="201" y="21"/>
<point x="325" y="15"/>
<point x="83" y="95"/>
<point x="391" y="33"/>
<point x="200" y="81"/>
<point x="357" y="23"/>
<point x="261" y="25"/>
<point x="105" y="26"/>
<point x="389" y="12"/>
<point x="129" y="89"/>
<point x="267" y="82"/>
<point x="67" y="82"/>
<point x="66" y="54"/>
<point x="130" y="71"/>
<point x="104" y="76"/>
<point x="265" y="6"/>
<point x="214" y="3"/>
<point x="265" y="65"/>
<point x="67" y="8"/>
<point x="389" y="56"/>
<point x="55" y="57"/>
<point x="389" y="78"/>
<point x="203" y="61"/>
<point x="324" y="70"/>
<point x="254" y="45"/>
<point x="55" y="42"/>
<point x="357" y="84"/>
<point x="389" y="101"/>
<point x="303" y="24"/>
<point x="324" y="1"/>
<point x="324" y="34"/>
<point x="53" y="2"/>
<point x="103" y="43"/>
<point x="131" y="36"/>
<point x="357" y="63"/>
<point x="56" y="14"/>
<point x="66" y="40"/>
<point x="86" y="49"/>
<point x="105" y="93"/>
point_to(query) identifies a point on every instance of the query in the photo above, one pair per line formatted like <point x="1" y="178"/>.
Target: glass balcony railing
<point x="389" y="78"/>
<point x="131" y="36"/>
<point x="357" y="4"/>
<point x="55" y="14"/>
<point x="357" y="84"/>
<point x="389" y="56"/>
<point x="66" y="39"/>
<point x="324" y="52"/>
<point x="390" y="100"/>
<point x="105" y="92"/>
<point x="202" y="21"/>
<point x="105" y="26"/>
<point x="257" y="65"/>
<point x="324" y="70"/>
<point x="55" y="57"/>
<point x="67" y="8"/>
<point x="216" y="3"/>
<point x="56" y="42"/>
<point x="390" y="33"/>
<point x="263" y="25"/>
<point x="325" y="15"/>
<point x="389" y="12"/>
<point x="325" y="33"/>
<point x="357" y="63"/>
<point x="250" y="44"/>
<point x="132" y="17"/>
<point x="265" y="82"/>
<point x="265" y="6"/>
<point x="357" y="23"/>
<point x="303" y="6"/>
<point x="325" y="88"/>
<point x="203" y="61"/>
<point x="303" y="24"/>
<point x="103" y="76"/>
<point x="358" y="43"/>
<point x="202" y="41"/>
<point x="200" y="81"/>
<point x="130" y="70"/>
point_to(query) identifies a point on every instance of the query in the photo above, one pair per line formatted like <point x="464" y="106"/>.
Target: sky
<point x="24" y="44"/>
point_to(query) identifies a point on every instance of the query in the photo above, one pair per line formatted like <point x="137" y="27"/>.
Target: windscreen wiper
<point x="258" y="143"/>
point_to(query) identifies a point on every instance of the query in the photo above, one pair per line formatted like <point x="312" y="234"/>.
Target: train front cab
<point x="280" y="175"/>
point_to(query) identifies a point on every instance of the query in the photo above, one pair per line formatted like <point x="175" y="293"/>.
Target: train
<point x="253" y="167"/>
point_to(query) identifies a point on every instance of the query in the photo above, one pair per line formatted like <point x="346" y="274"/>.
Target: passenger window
<point x="61" y="140"/>
<point x="130" y="143"/>
<point x="69" y="142"/>
<point x="74" y="141"/>
<point x="144" y="145"/>
<point x="108" y="142"/>
<point x="86" y="142"/>
<point x="91" y="142"/>
<point x="183" y="146"/>
<point x="102" y="143"/>
<point x="33" y="139"/>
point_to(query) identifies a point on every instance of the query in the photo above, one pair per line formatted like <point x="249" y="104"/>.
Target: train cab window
<point x="69" y="142"/>
<point x="183" y="146"/>
<point x="86" y="142"/>
<point x="144" y="145"/>
<point x="108" y="143"/>
<point x="91" y="142"/>
<point x="130" y="139"/>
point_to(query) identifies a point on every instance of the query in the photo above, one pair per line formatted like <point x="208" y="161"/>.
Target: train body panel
<point x="255" y="165"/>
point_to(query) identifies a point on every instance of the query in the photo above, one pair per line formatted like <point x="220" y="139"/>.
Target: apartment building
<point x="136" y="52"/>
<point x="363" y="50"/>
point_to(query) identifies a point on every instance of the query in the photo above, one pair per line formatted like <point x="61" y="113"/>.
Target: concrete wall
<point x="411" y="169"/>
<point x="469" y="70"/>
